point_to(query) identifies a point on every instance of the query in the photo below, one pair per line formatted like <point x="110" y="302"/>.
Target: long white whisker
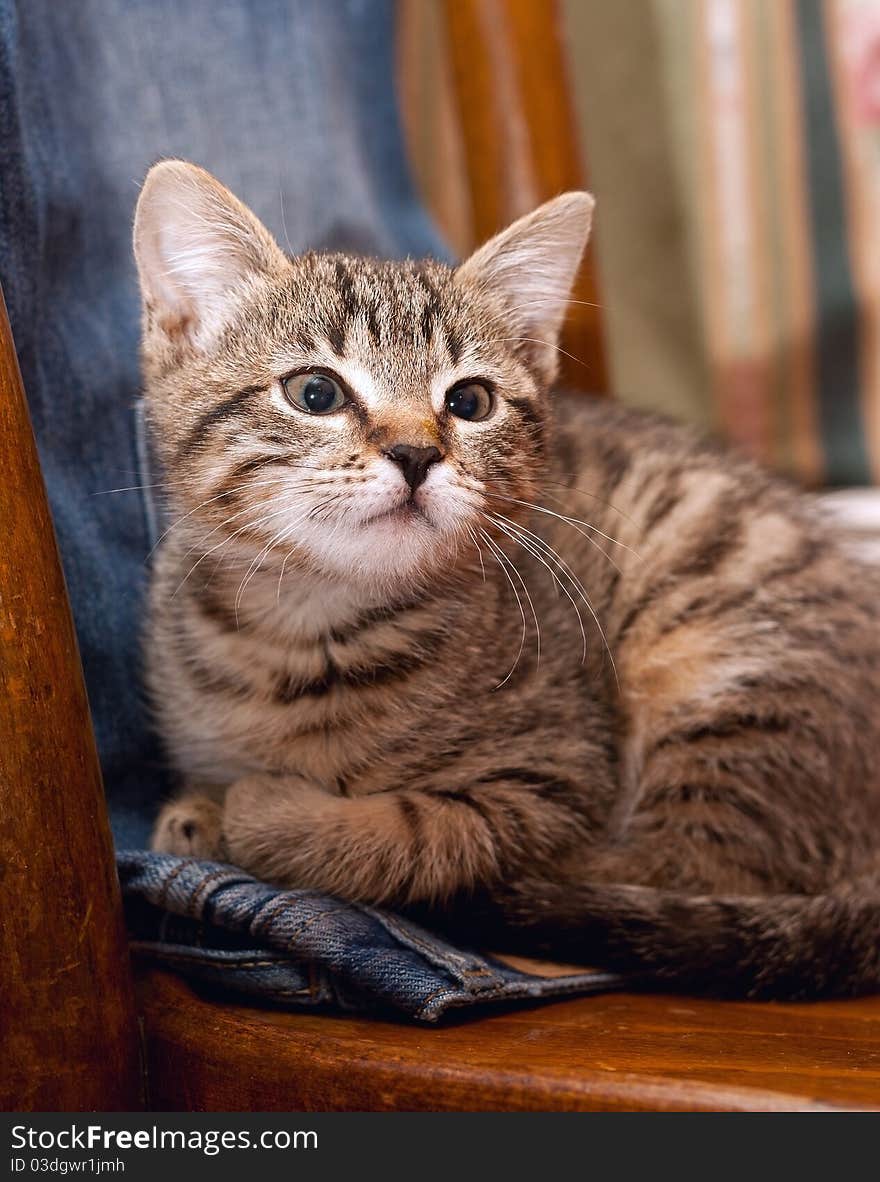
<point x="287" y="558"/>
<point x="590" y="539"/>
<point x="576" y="582"/>
<point x="473" y="537"/>
<point x="546" y="345"/>
<point x="255" y="564"/>
<point x="586" y="493"/>
<point x="574" y="522"/>
<point x="218" y="497"/>
<point x="536" y="554"/>
<point x="255" y="484"/>
<point x="554" y="300"/>
<point x="522" y="583"/>
<point x="247" y="525"/>
<point x="496" y="552"/>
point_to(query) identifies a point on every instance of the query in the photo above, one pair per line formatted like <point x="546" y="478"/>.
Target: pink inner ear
<point x="194" y="243"/>
<point x="533" y="265"/>
<point x="177" y="326"/>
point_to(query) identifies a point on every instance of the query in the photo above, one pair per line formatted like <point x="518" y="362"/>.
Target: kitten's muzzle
<point x="414" y="462"/>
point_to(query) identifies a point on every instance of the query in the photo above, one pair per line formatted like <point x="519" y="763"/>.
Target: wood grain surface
<point x="68" y="1026"/>
<point x="617" y="1052"/>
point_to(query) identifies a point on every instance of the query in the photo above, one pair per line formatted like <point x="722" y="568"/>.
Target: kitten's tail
<point x="780" y="946"/>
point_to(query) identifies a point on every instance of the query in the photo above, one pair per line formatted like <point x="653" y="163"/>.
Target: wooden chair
<point x="82" y="1031"/>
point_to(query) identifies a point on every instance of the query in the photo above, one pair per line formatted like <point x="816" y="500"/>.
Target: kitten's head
<point x="355" y="417"/>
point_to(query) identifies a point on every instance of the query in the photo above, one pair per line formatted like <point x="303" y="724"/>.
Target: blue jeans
<point x="291" y="103"/>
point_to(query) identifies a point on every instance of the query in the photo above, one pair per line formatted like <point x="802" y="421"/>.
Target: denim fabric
<point x="298" y="947"/>
<point x="290" y="103"/>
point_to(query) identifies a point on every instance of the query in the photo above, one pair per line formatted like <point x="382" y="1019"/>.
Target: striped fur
<point x="589" y="650"/>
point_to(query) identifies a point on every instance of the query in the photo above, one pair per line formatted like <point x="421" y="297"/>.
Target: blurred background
<point x="734" y="148"/>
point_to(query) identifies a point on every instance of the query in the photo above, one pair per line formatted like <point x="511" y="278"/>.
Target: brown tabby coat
<point x="587" y="650"/>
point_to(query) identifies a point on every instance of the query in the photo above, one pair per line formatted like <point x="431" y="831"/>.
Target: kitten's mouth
<point x="408" y="511"/>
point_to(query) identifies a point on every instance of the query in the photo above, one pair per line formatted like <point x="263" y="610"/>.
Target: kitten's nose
<point x="414" y="461"/>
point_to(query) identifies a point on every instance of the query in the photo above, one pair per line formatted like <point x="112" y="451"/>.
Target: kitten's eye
<point x="315" y="393"/>
<point x="470" y="400"/>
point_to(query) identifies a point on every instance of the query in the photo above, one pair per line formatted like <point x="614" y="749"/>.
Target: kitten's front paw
<point x="265" y="820"/>
<point x="191" y="827"/>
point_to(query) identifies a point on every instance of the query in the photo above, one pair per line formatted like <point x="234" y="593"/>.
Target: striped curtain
<point x="734" y="146"/>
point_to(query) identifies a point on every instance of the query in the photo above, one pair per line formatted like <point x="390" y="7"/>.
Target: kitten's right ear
<point x="195" y="243"/>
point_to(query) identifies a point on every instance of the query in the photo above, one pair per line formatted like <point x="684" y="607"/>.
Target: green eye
<point x="469" y="400"/>
<point x="315" y="393"/>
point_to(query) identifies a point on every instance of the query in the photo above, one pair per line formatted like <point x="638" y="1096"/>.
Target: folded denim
<point x="224" y="928"/>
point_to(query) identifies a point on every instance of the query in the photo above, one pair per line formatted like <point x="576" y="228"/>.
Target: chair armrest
<point x="70" y="1036"/>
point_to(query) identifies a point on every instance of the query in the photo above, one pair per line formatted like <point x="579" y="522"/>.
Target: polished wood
<point x="69" y="1037"/>
<point x="617" y="1052"/>
<point x="521" y="146"/>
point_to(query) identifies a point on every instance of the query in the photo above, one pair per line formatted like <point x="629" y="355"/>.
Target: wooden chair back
<point x="489" y="118"/>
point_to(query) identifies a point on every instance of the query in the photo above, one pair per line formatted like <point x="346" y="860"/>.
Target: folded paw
<point x="190" y="827"/>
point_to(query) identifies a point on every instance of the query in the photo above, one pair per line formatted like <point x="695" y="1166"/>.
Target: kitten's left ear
<point x="532" y="265"/>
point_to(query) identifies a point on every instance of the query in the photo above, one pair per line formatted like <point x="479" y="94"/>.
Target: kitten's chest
<point x="343" y="693"/>
<point x="248" y="691"/>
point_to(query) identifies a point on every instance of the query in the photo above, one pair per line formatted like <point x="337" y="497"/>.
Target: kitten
<point x="423" y="631"/>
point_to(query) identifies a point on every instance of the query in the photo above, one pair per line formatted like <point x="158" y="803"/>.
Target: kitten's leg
<point x="407" y="845"/>
<point x="737" y="801"/>
<point x="190" y="826"/>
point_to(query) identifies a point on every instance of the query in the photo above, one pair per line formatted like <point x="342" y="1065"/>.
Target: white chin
<point x="393" y="548"/>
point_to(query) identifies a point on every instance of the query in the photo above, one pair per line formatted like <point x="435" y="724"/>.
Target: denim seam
<point x="159" y="949"/>
<point x="212" y="879"/>
<point x="446" y="992"/>
<point x="449" y="960"/>
<point x="166" y="885"/>
<point x="261" y="922"/>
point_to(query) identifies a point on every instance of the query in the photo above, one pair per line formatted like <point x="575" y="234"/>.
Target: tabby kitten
<point x="423" y="631"/>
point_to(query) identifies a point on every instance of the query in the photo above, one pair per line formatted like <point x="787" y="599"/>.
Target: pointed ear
<point x="195" y="243"/>
<point x="532" y="265"/>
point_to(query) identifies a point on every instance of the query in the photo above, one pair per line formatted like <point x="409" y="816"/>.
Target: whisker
<point x="255" y="564"/>
<point x="287" y="558"/>
<point x="522" y="583"/>
<point x="290" y="249"/>
<point x="211" y="500"/>
<point x="495" y="552"/>
<point x="226" y="521"/>
<point x="316" y="511"/>
<point x="473" y="537"/>
<point x="535" y="554"/>
<point x="579" y="587"/>
<point x="554" y="300"/>
<point x="574" y="522"/>
<point x="247" y="525"/>
<point x="586" y="493"/>
<point x="590" y="539"/>
<point x="546" y="345"/>
<point x="253" y="484"/>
